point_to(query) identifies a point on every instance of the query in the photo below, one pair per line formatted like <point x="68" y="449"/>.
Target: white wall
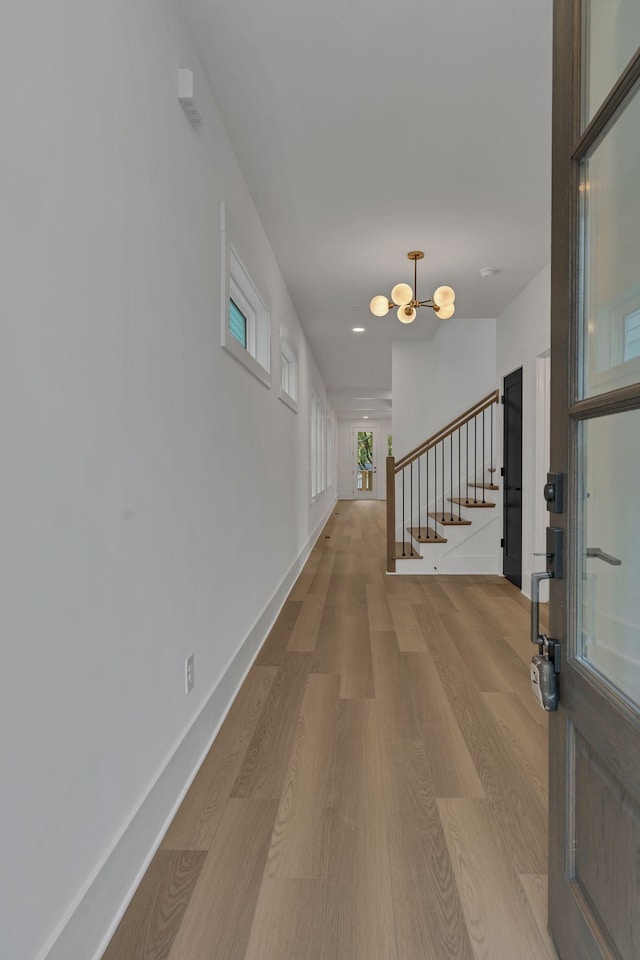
<point x="155" y="495"/>
<point x="435" y="380"/>
<point x="346" y="455"/>
<point x="523" y="335"/>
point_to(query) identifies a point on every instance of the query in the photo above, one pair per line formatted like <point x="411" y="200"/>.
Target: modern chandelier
<point x="406" y="300"/>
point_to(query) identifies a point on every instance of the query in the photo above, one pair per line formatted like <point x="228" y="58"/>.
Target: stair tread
<point x="410" y="551"/>
<point x="471" y="504"/>
<point x="485" y="486"/>
<point x="450" y="520"/>
<point x="420" y="535"/>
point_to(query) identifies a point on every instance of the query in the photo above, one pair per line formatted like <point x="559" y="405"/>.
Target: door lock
<point x="553" y="492"/>
<point x="545" y="666"/>
<point x="544" y="682"/>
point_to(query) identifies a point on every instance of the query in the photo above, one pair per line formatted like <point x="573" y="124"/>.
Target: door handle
<point x="601" y="555"/>
<point x="536" y="579"/>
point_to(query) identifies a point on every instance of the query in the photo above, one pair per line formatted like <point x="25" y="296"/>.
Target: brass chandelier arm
<point x="415" y="303"/>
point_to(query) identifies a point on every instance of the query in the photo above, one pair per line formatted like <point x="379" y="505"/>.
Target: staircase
<point x="447" y="482"/>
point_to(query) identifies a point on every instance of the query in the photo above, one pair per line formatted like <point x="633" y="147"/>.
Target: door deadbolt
<point x="554" y="492"/>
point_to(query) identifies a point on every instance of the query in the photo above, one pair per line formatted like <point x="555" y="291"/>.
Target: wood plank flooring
<point x="377" y="791"/>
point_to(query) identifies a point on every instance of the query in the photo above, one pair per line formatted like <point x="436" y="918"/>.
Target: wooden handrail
<point x="450" y="428"/>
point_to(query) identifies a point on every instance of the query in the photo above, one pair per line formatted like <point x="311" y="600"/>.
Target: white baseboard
<point x="91" y="921"/>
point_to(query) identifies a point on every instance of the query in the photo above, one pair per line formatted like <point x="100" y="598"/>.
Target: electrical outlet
<point x="189" y="674"/>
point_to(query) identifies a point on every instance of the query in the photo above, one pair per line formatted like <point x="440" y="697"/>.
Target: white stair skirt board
<point x="477" y="553"/>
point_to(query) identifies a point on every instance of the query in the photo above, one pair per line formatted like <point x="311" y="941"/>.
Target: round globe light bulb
<point x="379" y="306"/>
<point x="402" y="294"/>
<point x="445" y="313"/>
<point x="406" y="314"/>
<point x="443" y="296"/>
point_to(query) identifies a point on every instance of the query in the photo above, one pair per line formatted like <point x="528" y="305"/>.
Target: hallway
<point x="378" y="790"/>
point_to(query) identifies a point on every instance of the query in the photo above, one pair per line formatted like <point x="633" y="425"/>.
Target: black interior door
<point x="512" y="493"/>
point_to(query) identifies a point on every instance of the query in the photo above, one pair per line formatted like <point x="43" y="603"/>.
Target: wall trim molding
<point x="90" y="922"/>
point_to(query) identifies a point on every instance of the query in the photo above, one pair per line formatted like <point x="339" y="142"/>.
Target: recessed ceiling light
<point x="487" y="272"/>
<point x="358" y="329"/>
<point x="365" y="418"/>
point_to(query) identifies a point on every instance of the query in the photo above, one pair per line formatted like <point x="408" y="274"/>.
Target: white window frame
<point x="238" y="285"/>
<point x="322" y="447"/>
<point x="313" y="445"/>
<point x="288" y="371"/>
<point x="322" y="431"/>
<point x="330" y="449"/>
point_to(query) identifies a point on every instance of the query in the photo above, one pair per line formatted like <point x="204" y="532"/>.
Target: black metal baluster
<point x="491" y="471"/>
<point x="427" y="521"/>
<point x="443" y="451"/>
<point x="435" y="484"/>
<point x="419" y="520"/>
<point x="483" y="455"/>
<point x="403" y="553"/>
<point x="475" y="456"/>
<point x="451" y="517"/>
<point x="411" y="502"/>
<point x="467" y="464"/>
<point x="459" y="484"/>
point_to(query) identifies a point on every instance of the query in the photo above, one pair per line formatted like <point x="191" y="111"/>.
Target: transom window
<point x="246" y="323"/>
<point x="288" y="372"/>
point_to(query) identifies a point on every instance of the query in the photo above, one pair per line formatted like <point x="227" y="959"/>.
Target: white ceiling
<point x="367" y="128"/>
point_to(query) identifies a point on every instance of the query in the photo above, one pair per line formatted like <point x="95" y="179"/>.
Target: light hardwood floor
<point x="378" y="790"/>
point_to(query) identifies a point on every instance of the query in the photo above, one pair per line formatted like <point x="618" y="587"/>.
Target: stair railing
<point x="427" y="476"/>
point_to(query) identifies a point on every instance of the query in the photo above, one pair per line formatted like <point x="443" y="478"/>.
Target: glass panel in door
<point x="609" y="585"/>
<point x="612" y="28"/>
<point x="610" y="244"/>
<point x="365" y="471"/>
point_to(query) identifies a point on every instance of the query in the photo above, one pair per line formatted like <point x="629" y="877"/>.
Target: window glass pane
<point x="609" y="611"/>
<point x="237" y="323"/>
<point x="612" y="36"/>
<point x="610" y="262"/>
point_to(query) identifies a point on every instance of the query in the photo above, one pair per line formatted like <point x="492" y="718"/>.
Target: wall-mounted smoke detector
<point x="185" y="96"/>
<point x="488" y="272"/>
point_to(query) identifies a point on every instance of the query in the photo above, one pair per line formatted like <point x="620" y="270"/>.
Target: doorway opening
<point x="365" y="473"/>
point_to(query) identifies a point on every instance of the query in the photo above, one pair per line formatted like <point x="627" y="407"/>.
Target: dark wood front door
<point x="594" y="797"/>
<point x="512" y="491"/>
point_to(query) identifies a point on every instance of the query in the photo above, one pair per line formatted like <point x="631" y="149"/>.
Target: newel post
<point x="391" y="514"/>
